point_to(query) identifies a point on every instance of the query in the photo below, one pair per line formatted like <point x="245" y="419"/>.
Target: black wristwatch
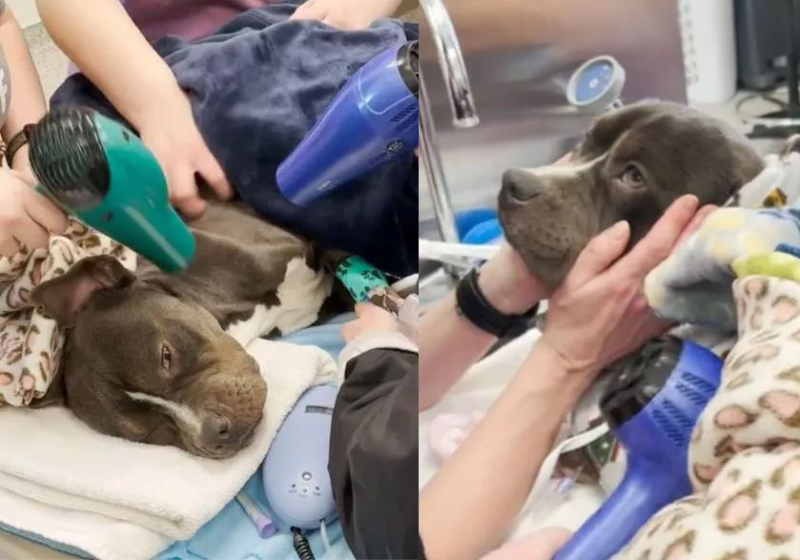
<point x="473" y="305"/>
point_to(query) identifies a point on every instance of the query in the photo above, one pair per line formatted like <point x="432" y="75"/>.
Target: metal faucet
<point x="459" y="94"/>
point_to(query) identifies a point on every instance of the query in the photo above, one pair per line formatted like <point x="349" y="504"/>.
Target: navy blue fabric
<point x="257" y="87"/>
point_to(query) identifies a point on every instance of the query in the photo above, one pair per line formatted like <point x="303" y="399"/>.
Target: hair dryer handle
<point x="641" y="494"/>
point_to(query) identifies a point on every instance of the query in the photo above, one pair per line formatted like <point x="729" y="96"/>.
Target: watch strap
<point x="473" y="305"/>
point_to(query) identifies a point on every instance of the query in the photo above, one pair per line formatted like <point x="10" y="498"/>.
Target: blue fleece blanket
<point x="257" y="87"/>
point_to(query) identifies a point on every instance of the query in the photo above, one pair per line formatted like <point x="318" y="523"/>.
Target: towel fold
<point x="115" y="499"/>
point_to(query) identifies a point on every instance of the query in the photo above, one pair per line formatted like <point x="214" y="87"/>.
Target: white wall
<point x="25" y="10"/>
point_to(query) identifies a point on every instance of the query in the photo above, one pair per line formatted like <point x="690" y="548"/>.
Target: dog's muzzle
<point x="522" y="185"/>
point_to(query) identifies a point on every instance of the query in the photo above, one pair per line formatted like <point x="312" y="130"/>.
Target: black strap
<point x="474" y="306"/>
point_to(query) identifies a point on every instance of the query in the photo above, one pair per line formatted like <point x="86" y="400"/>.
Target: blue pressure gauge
<point x="596" y="85"/>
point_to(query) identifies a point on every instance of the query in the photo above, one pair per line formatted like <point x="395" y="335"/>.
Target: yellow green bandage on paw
<point x="776" y="265"/>
<point x="694" y="284"/>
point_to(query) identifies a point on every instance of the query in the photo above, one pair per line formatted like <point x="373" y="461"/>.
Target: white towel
<point x="477" y="390"/>
<point x="115" y="499"/>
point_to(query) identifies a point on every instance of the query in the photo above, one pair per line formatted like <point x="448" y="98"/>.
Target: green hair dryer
<point x="100" y="172"/>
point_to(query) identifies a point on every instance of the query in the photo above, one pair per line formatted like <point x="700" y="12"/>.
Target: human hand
<point x="370" y="318"/>
<point x="26" y="217"/>
<point x="171" y="134"/>
<point x="346" y="14"/>
<point x="540" y="546"/>
<point x="599" y="314"/>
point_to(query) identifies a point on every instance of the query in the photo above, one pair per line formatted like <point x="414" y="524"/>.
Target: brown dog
<point x="147" y="356"/>
<point x="632" y="164"/>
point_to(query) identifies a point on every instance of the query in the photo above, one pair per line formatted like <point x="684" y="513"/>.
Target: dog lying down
<point x="631" y="165"/>
<point x="147" y="356"/>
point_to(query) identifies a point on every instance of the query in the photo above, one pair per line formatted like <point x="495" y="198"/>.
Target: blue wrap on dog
<point x="257" y="86"/>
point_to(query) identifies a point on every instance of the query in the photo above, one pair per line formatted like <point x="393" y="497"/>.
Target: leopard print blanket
<point x="31" y="342"/>
<point x="745" y="450"/>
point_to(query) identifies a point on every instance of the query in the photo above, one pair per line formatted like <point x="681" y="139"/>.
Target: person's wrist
<point x="509" y="293"/>
<point x="564" y="371"/>
<point x="21" y="163"/>
<point x="162" y="100"/>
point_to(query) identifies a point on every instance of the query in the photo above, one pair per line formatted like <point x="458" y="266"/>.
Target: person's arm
<point x="100" y="37"/>
<point x="468" y="507"/>
<point x="509" y="287"/>
<point x="596" y="316"/>
<point x="26" y="217"/>
<point x="27" y="104"/>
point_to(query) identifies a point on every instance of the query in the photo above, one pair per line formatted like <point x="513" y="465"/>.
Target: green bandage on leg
<point x="360" y="278"/>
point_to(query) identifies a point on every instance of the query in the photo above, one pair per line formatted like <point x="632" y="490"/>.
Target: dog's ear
<point x="64" y="297"/>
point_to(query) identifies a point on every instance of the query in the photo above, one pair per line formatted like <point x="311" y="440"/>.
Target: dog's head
<point x="631" y="165"/>
<point x="148" y="366"/>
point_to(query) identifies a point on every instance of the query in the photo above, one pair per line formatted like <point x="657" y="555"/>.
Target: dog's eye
<point x="632" y="176"/>
<point x="166" y="357"/>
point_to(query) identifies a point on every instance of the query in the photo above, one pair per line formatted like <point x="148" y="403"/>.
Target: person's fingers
<point x="45" y="213"/>
<point x="210" y="170"/>
<point x="309" y="10"/>
<point x="350" y="330"/>
<point x="9" y="248"/>
<point x="658" y="244"/>
<point x="363" y="309"/>
<point x="599" y="254"/>
<point x="696" y="222"/>
<point x="31" y="234"/>
<point x="183" y="193"/>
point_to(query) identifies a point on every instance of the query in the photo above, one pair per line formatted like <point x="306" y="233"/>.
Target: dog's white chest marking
<point x="301" y="294"/>
<point x="185" y="417"/>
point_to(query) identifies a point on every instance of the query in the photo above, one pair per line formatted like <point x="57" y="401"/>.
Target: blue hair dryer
<point x="652" y="407"/>
<point x="372" y="120"/>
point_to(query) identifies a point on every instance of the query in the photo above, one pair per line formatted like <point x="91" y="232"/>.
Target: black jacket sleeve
<point x="374" y="455"/>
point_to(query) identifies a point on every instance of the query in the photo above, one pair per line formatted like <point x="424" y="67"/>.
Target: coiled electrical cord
<point x="301" y="546"/>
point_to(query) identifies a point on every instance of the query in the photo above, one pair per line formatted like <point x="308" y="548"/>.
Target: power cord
<point x="301" y="546"/>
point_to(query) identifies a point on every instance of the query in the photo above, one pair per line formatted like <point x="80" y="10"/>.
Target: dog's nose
<point x="216" y="430"/>
<point x="523" y="185"/>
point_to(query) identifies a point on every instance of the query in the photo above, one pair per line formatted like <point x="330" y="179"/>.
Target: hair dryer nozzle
<point x="372" y="120"/>
<point x="68" y="158"/>
<point x="101" y="172"/>
<point x="408" y="66"/>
